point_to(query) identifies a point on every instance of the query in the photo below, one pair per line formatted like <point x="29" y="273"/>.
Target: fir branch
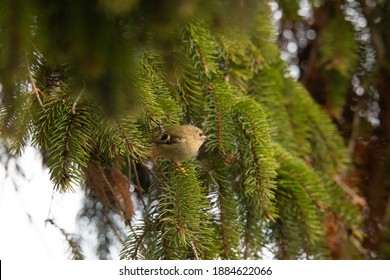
<point x="258" y="172"/>
<point x="297" y="119"/>
<point x="201" y="46"/>
<point x="158" y="107"/>
<point x="302" y="200"/>
<point x="308" y="221"/>
<point x="224" y="207"/>
<point x="338" y="58"/>
<point x="198" y="55"/>
<point x="338" y="50"/>
<point x="270" y="88"/>
<point x="186" y="228"/>
<point x="266" y="42"/>
<point x="239" y="59"/>
<point x="132" y="246"/>
<point x="313" y="184"/>
<point x="349" y="214"/>
<point x="135" y="143"/>
<point x="257" y="154"/>
<point x="219" y="125"/>
<point x="120" y="140"/>
<point x="190" y="90"/>
<point x="19" y="126"/>
<point x="327" y="150"/>
<point x="68" y="139"/>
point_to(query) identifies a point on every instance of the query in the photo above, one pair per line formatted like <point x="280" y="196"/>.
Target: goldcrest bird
<point x="179" y="143"/>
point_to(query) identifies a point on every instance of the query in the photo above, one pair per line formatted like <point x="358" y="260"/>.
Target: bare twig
<point x="386" y="216"/>
<point x="355" y="128"/>
<point x="73" y="243"/>
<point x="356" y="199"/>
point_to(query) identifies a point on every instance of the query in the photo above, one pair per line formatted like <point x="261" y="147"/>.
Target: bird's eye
<point x="164" y="137"/>
<point x="200" y="134"/>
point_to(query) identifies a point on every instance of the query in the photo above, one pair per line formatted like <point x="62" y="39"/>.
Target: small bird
<point x="179" y="143"/>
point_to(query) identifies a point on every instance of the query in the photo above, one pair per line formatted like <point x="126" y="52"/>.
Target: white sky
<point x="23" y="237"/>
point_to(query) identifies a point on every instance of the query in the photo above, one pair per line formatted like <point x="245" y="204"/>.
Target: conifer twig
<point x="112" y="226"/>
<point x="194" y="250"/>
<point x="72" y="242"/>
<point x="35" y="90"/>
<point x="137" y="182"/>
<point x="77" y="101"/>
<point x="50" y="207"/>
<point x="138" y="244"/>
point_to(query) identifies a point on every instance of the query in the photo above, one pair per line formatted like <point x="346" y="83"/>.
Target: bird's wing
<point x="171" y="138"/>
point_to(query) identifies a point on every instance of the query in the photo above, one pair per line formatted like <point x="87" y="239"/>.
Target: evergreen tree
<point x="90" y="83"/>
